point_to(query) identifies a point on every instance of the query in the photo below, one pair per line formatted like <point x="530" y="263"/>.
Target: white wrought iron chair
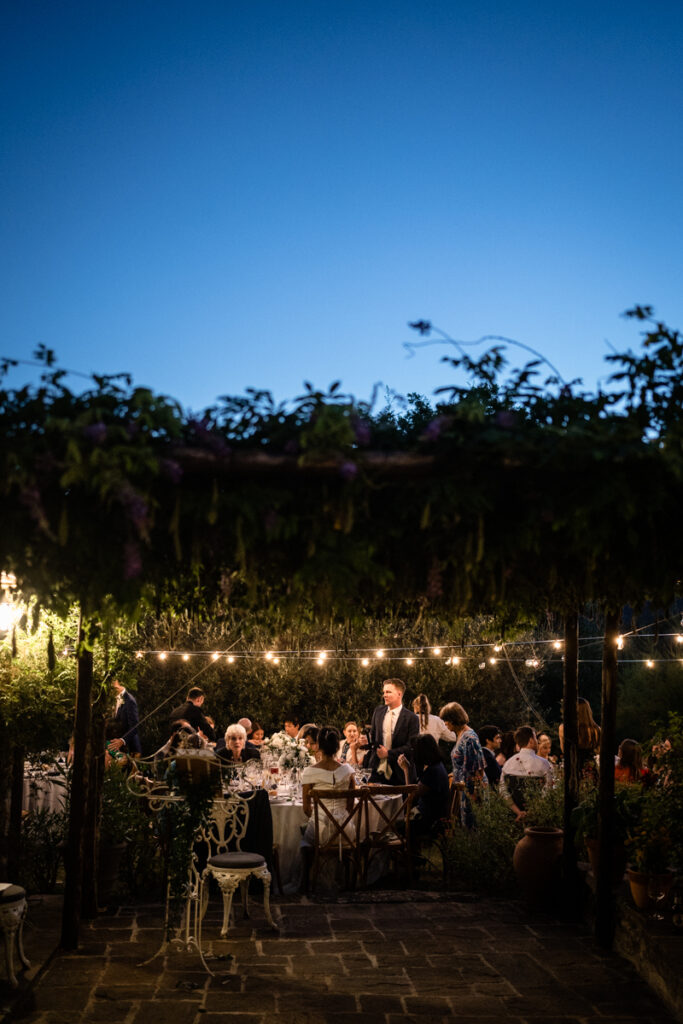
<point x="227" y="863"/>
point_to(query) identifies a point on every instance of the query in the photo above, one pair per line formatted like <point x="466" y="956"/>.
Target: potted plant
<point x="650" y="848"/>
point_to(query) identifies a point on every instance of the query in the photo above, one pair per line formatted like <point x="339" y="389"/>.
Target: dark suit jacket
<point x="407" y="726"/>
<point x="192" y="714"/>
<point x="127" y="716"/>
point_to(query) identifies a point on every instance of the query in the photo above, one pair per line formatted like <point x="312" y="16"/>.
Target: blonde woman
<point x="430" y="723"/>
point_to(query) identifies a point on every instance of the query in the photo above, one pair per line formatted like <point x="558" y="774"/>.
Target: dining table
<point x="43" y="790"/>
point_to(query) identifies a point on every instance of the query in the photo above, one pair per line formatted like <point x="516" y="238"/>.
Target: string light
<point x="269" y="655"/>
<point x="679" y="638"/>
<point x="620" y="643"/>
<point x="650" y="663"/>
<point x="492" y="661"/>
<point x="322" y="656"/>
<point x="409" y="661"/>
<point x="455" y="661"/>
<point x="139" y="654"/>
<point x="276" y="661"/>
<point x="163" y="656"/>
<point x="215" y="656"/>
<point x="379" y="654"/>
<point x="186" y="657"/>
<point x="557" y="644"/>
<point x="230" y="660"/>
<point x="497" y="648"/>
<point x="320" y="661"/>
<point x="365" y="662"/>
<point x="437" y="651"/>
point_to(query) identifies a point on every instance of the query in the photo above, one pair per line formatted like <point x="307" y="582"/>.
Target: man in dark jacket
<point x="391" y="730"/>
<point x="126" y="714"/>
<point x="490" y="737"/>
<point x="191" y="712"/>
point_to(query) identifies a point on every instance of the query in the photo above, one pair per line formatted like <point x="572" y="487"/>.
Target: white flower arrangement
<point x="288" y="752"/>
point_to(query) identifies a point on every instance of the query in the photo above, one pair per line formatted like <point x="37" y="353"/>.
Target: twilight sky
<point x="229" y="193"/>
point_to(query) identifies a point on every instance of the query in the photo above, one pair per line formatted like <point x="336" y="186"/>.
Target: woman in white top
<point x="430" y="723"/>
<point x="326" y="774"/>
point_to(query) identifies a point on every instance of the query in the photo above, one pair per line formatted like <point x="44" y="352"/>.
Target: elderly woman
<point x="469" y="765"/>
<point x="236" y="750"/>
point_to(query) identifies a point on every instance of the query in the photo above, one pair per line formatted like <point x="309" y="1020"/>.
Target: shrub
<point x="480" y="859"/>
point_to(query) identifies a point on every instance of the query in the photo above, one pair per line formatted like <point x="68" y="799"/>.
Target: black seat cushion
<point x="12" y="894"/>
<point x="237" y="860"/>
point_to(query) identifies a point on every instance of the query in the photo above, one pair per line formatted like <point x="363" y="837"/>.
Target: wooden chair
<point x="382" y="833"/>
<point x="338" y="820"/>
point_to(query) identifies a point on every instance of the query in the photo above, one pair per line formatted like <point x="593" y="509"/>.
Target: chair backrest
<point x="455" y="801"/>
<point x="227" y="824"/>
<point x="337" y="815"/>
<point x="194" y="769"/>
<point x="382" y="815"/>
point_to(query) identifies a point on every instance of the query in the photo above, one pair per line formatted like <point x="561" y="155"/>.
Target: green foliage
<point x="643" y="694"/>
<point x="480" y="859"/>
<point x="43" y="834"/>
<point x="545" y="807"/>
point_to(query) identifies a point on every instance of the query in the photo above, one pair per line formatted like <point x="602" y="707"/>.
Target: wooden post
<point x="572" y="879"/>
<point x="73" y="860"/>
<point x="91" y="831"/>
<point x="604" y="910"/>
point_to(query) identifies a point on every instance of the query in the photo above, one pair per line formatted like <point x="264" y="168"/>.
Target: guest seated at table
<point x="257" y="734"/>
<point x="326" y="774"/>
<point x="235" y="749"/>
<point x="292" y="724"/>
<point x="194" y="745"/>
<point x="629" y="766"/>
<point x="351" y="736"/>
<point x="309" y="735"/>
<point x="432" y="784"/>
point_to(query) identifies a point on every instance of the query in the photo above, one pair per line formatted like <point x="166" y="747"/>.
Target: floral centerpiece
<point x="287" y="752"/>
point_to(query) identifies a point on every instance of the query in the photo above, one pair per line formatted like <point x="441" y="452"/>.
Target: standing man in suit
<point x="126" y="714"/>
<point x="392" y="729"/>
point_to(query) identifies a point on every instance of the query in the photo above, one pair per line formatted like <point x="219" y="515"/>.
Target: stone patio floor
<point x="406" y="957"/>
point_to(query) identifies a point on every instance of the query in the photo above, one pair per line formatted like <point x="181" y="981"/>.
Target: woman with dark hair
<point x="256" y="735"/>
<point x="430" y="723"/>
<point x="328" y="773"/>
<point x="467" y="756"/>
<point x="588" y="734"/>
<point x="508" y="748"/>
<point x="629" y="766"/>
<point x="432" y="783"/>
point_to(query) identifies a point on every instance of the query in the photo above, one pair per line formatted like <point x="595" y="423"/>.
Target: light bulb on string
<point x="620" y="643"/>
<point x="365" y="662"/>
<point x="650" y="663"/>
<point x="679" y="638"/>
<point x="497" y="648"/>
<point x="455" y="660"/>
<point x="269" y="655"/>
<point x="186" y="657"/>
<point x="163" y="656"/>
<point x="320" y="660"/>
<point x="437" y="651"/>
<point x="492" y="661"/>
<point x="230" y="660"/>
<point x="557" y="644"/>
<point x="215" y="656"/>
<point x="138" y="654"/>
<point x="379" y="653"/>
<point x="276" y="661"/>
<point x="409" y="661"/>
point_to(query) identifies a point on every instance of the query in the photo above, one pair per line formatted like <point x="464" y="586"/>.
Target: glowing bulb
<point x="230" y="659"/>
<point x="492" y="661"/>
<point x="215" y="656"/>
<point x="557" y="644"/>
<point x="620" y="643"/>
<point x="322" y="655"/>
<point x="379" y="654"/>
<point x="365" y="662"/>
<point x="455" y="661"/>
<point x="650" y="663"/>
<point x="163" y="656"/>
<point x="186" y="657"/>
<point x="320" y="661"/>
<point x="497" y="648"/>
<point x="276" y="661"/>
<point x="409" y="661"/>
<point x="679" y="638"/>
<point x="138" y="654"/>
<point x="269" y="655"/>
<point x="437" y="651"/>
<point x="531" y="662"/>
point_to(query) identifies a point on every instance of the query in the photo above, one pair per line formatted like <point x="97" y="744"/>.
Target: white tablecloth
<point x="44" y="793"/>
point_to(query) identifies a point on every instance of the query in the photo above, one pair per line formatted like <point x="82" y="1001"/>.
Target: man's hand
<point x="382" y="752"/>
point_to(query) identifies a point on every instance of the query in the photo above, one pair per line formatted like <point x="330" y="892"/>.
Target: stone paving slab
<point x="420" y="960"/>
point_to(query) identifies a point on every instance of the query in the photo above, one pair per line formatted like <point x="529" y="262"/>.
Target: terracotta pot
<point x="639" y="881"/>
<point x="536" y="861"/>
<point x="618" y="861"/>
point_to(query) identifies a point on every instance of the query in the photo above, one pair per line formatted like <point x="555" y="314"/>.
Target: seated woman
<point x="326" y="774"/>
<point x="257" y="734"/>
<point x="629" y="766"/>
<point x="236" y="750"/>
<point x="432" y="784"/>
<point x="309" y="736"/>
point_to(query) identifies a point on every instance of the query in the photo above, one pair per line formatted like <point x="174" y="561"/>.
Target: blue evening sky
<point x="230" y="193"/>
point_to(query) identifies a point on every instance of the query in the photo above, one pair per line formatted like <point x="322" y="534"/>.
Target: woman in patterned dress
<point x="467" y="757"/>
